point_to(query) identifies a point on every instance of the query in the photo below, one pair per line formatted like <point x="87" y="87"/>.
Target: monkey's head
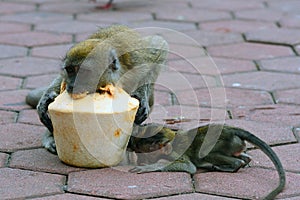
<point x="89" y="65"/>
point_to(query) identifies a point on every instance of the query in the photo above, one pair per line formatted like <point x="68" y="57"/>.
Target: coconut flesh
<point x="93" y="131"/>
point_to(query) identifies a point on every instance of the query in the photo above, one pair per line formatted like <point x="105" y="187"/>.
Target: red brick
<point x="9" y="8"/>
<point x="162" y="98"/>
<point x="8" y="83"/>
<point x="36" y="17"/>
<point x="55" y="51"/>
<point x="68" y="197"/>
<point x="12" y="51"/>
<point x="230" y="97"/>
<point x="29" y="66"/>
<point x="291" y="6"/>
<point x="3" y="159"/>
<point x="124" y="185"/>
<point x="177" y="26"/>
<point x="193" y="196"/>
<point x="262" y="80"/>
<point x="277" y="114"/>
<point x="271" y="133"/>
<point x="40" y="160"/>
<point x="247" y="183"/>
<point x="177" y="51"/>
<point x="259" y="15"/>
<point x="297" y="48"/>
<point x="286" y="153"/>
<point x="7" y="27"/>
<point x="30" y="39"/>
<point x="13" y="100"/>
<point x="229" y="5"/>
<point x="290" y="21"/>
<point x="29" y="117"/>
<point x="114" y="17"/>
<point x="20" y="136"/>
<point x="68" y="7"/>
<point x="20" y="184"/>
<point x="191" y="15"/>
<point x="7" y="117"/>
<point x="275" y="36"/>
<point x="285" y="64"/>
<point x="288" y="96"/>
<point x="73" y="27"/>
<point x="250" y="51"/>
<point x="39" y="81"/>
<point x="239" y="26"/>
<point x="227" y="65"/>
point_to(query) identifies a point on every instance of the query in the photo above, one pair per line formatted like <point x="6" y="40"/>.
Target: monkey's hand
<point x="143" y="110"/>
<point x="49" y="143"/>
<point x="42" y="109"/>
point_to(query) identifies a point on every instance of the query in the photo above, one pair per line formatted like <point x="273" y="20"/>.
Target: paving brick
<point x="21" y="183"/>
<point x="20" y="136"/>
<point x="191" y="15"/>
<point x="259" y="15"/>
<point x="286" y="154"/>
<point x="297" y="48"/>
<point x="247" y="183"/>
<point x="39" y="81"/>
<point x="7" y="117"/>
<point x="285" y="64"/>
<point x="162" y="98"/>
<point x="73" y="27"/>
<point x="229" y="5"/>
<point x="177" y="26"/>
<point x="271" y="133"/>
<point x="68" y="197"/>
<point x="250" y="51"/>
<point x="290" y="21"/>
<point x="8" y="8"/>
<point x="238" y="26"/>
<point x="12" y="51"/>
<point x="193" y="196"/>
<point x="275" y="36"/>
<point x="288" y="96"/>
<point x="8" y="83"/>
<point x="124" y="185"/>
<point x="114" y="16"/>
<point x="291" y="6"/>
<point x="277" y="114"/>
<point x="26" y="66"/>
<point x="29" y="117"/>
<point x="36" y="17"/>
<point x="13" y="100"/>
<point x="68" y="7"/>
<point x="3" y="159"/>
<point x="55" y="51"/>
<point x="40" y="160"/>
<point x="30" y="39"/>
<point x="231" y="97"/>
<point x="177" y="51"/>
<point x="262" y="80"/>
<point x="7" y="27"/>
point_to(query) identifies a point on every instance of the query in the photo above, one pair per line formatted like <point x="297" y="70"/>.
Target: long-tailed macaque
<point x="115" y="55"/>
<point x="170" y="150"/>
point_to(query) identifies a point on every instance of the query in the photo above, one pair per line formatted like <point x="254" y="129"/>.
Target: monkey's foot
<point x="49" y="143"/>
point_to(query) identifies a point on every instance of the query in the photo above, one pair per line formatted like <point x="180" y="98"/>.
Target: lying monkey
<point x="115" y="55"/>
<point x="170" y="150"/>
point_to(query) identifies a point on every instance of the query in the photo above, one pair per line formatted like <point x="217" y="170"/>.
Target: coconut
<point x="93" y="131"/>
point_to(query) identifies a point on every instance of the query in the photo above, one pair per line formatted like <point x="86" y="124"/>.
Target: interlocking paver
<point x="251" y="51"/>
<point x="274" y="36"/>
<point x="286" y="153"/>
<point x="291" y="6"/>
<point x="8" y="27"/>
<point x="298" y="49"/>
<point x="3" y="159"/>
<point x="29" y="117"/>
<point x="193" y="196"/>
<point x="9" y="83"/>
<point x="126" y="185"/>
<point x="290" y="21"/>
<point x="284" y="64"/>
<point x="20" y="136"/>
<point x="229" y="5"/>
<point x="114" y="17"/>
<point x="239" y="26"/>
<point x="34" y="160"/>
<point x="7" y="117"/>
<point x="247" y="183"/>
<point x="68" y="197"/>
<point x="177" y="26"/>
<point x="288" y="96"/>
<point x="39" y="80"/>
<point x="55" y="51"/>
<point x="30" y="39"/>
<point x="8" y="51"/>
<point x="260" y="14"/>
<point x="26" y="66"/>
<point x="177" y="51"/>
<point x="21" y="183"/>
<point x="68" y="7"/>
<point x="13" y="100"/>
<point x="8" y="8"/>
<point x="261" y="80"/>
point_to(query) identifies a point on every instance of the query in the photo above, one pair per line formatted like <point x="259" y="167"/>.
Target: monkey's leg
<point x="48" y="142"/>
<point x="34" y="96"/>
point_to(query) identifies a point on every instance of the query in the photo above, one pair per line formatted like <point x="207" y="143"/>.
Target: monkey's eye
<point x="72" y="69"/>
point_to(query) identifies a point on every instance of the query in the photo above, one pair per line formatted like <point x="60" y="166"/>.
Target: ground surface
<point x="254" y="44"/>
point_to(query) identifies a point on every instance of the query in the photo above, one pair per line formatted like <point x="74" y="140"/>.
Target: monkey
<point x="115" y="55"/>
<point x="170" y="150"/>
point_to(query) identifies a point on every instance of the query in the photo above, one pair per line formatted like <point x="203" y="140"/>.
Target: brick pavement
<point x="255" y="46"/>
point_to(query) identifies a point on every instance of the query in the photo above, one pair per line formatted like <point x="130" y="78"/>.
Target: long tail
<point x="245" y="135"/>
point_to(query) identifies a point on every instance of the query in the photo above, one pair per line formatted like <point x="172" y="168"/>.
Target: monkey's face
<point x="89" y="66"/>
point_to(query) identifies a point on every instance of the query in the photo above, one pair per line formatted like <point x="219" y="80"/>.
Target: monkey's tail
<point x="245" y="135"/>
